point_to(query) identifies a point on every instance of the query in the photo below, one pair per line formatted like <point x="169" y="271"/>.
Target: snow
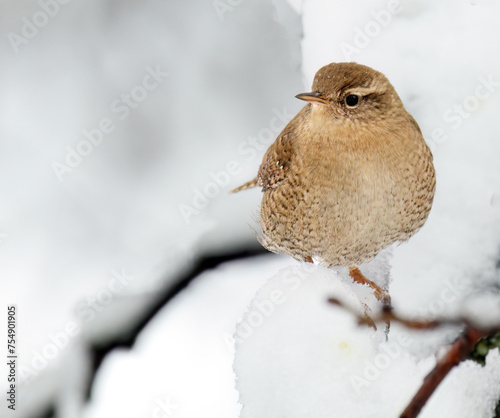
<point x="185" y="354"/>
<point x="470" y="391"/>
<point x="202" y="131"/>
<point x="309" y="358"/>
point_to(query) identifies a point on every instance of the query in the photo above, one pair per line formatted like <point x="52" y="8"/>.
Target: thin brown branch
<point x="458" y="351"/>
<point x="388" y="315"/>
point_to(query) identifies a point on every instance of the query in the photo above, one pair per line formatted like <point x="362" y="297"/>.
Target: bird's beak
<point x="314" y="97"/>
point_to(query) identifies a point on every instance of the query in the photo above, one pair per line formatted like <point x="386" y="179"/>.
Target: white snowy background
<point x="85" y="252"/>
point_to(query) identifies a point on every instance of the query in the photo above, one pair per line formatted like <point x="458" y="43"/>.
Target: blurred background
<point x="125" y="123"/>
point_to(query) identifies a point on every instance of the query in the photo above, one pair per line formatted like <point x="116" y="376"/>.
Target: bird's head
<point x="352" y="91"/>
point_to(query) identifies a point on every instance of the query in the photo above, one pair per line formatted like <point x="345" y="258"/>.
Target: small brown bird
<point x="350" y="175"/>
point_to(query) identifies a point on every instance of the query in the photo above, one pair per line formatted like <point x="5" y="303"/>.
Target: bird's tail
<point x="248" y="185"/>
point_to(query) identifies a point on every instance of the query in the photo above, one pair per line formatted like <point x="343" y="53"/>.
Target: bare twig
<point x="458" y="351"/>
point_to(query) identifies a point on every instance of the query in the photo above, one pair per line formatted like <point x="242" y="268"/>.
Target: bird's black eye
<point x="351" y="100"/>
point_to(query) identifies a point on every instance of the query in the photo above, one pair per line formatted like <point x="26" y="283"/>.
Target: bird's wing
<point x="276" y="162"/>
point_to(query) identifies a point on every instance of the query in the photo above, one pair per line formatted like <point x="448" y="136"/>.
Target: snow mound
<point x="299" y="356"/>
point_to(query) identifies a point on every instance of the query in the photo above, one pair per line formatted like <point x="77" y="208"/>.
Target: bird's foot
<point x="379" y="293"/>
